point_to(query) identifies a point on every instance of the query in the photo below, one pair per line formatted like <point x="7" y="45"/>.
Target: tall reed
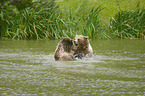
<point x="29" y="23"/>
<point x="46" y="20"/>
<point x="128" y="24"/>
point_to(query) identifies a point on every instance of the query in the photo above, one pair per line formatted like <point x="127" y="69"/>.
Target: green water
<point x="28" y="68"/>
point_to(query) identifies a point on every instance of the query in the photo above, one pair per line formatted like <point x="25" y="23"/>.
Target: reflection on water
<point x="28" y="68"/>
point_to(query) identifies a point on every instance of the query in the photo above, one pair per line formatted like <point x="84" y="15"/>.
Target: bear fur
<point x="63" y="50"/>
<point x="82" y="47"/>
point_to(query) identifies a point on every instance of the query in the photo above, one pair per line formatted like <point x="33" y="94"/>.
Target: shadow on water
<point x="28" y="68"/>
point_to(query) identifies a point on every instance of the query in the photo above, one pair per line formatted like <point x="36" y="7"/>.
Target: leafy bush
<point x="26" y="22"/>
<point x="128" y="24"/>
<point x="44" y="20"/>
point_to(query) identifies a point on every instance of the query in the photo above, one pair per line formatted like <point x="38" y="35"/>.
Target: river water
<point x="27" y="67"/>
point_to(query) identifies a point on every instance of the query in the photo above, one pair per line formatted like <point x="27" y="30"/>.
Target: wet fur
<point x="63" y="50"/>
<point x="83" y="47"/>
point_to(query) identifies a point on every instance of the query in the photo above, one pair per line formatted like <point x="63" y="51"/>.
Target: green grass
<point x="111" y="7"/>
<point x="93" y="18"/>
<point x="128" y="24"/>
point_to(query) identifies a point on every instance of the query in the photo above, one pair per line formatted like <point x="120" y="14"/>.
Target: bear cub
<point x="63" y="50"/>
<point x="82" y="47"/>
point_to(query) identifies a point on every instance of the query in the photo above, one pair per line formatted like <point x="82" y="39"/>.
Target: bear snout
<point x="75" y="42"/>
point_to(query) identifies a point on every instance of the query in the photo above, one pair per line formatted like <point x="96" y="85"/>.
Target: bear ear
<point x="86" y="37"/>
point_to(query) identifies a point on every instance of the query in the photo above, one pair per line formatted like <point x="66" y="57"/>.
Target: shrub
<point x="29" y="22"/>
<point x="44" y="20"/>
<point x="128" y="24"/>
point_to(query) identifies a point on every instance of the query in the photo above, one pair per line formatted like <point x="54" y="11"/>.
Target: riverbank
<point x="110" y="7"/>
<point x="108" y="19"/>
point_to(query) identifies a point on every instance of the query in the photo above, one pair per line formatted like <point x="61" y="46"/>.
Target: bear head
<point x="81" y="41"/>
<point x="67" y="44"/>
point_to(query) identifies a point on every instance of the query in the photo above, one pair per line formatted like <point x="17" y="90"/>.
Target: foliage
<point x="128" y="24"/>
<point x="46" y="19"/>
<point x="28" y="22"/>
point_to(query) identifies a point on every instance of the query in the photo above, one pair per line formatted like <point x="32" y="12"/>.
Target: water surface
<point x="27" y="67"/>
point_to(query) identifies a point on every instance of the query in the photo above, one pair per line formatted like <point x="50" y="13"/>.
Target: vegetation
<point x="128" y="24"/>
<point x="49" y="19"/>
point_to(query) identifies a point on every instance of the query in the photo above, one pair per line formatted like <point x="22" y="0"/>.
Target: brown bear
<point x="63" y="50"/>
<point x="82" y="47"/>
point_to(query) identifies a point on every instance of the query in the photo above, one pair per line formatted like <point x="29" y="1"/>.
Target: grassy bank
<point x="111" y="7"/>
<point x="51" y="19"/>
